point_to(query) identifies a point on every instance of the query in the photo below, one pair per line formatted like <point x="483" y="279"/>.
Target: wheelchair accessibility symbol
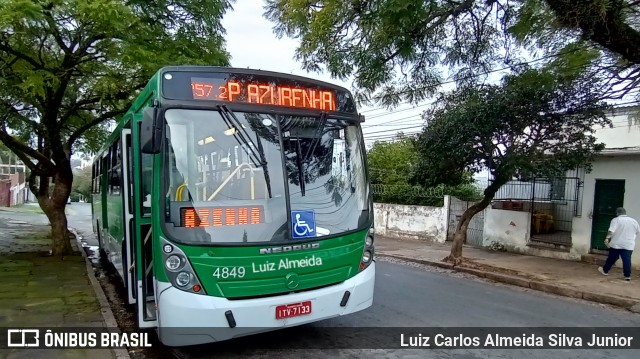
<point x="303" y="223"/>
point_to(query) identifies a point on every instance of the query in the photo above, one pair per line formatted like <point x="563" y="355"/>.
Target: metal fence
<point x="408" y="195"/>
<point x="475" y="230"/>
<point x="552" y="203"/>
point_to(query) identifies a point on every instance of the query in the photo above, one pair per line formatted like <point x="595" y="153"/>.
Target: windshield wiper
<point x="232" y="122"/>
<point x="316" y="136"/>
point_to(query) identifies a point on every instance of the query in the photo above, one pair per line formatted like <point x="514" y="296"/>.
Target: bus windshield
<point x="225" y="180"/>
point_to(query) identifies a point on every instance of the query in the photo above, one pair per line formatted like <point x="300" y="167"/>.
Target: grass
<point x="33" y="208"/>
<point x="24" y="208"/>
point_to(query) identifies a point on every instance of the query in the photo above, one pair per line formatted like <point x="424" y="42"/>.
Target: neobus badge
<point x="297" y="247"/>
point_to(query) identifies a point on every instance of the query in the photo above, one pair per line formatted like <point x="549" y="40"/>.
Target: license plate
<point x="293" y="310"/>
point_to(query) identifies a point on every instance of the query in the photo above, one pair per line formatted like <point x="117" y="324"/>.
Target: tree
<point x="392" y="47"/>
<point x="390" y="166"/>
<point x="67" y="66"/>
<point x="535" y="122"/>
<point x="390" y="162"/>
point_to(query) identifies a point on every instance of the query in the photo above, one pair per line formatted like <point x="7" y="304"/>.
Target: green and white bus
<point x="235" y="201"/>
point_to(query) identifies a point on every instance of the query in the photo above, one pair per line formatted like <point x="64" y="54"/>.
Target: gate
<point x="553" y="205"/>
<point x="475" y="229"/>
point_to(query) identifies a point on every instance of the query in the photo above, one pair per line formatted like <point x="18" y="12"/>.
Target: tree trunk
<point x="460" y="236"/>
<point x="53" y="203"/>
<point x="60" y="241"/>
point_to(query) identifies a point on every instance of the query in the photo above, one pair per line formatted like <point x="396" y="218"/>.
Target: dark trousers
<point x="625" y="254"/>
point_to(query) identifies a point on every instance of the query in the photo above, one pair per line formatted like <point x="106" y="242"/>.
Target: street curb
<point x="630" y="304"/>
<point x="105" y="308"/>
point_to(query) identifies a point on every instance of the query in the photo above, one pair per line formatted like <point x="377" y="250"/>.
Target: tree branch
<point x="607" y="29"/>
<point x="121" y="95"/>
<point x="8" y="49"/>
<point x="84" y="128"/>
<point x="24" y="152"/>
<point x="35" y="125"/>
<point x="54" y="30"/>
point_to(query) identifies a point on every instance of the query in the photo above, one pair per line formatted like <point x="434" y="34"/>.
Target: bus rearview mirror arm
<point x="151" y="130"/>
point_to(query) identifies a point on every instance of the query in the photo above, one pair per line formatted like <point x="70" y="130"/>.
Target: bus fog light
<point x="173" y="263"/>
<point x="183" y="279"/>
<point x="366" y="257"/>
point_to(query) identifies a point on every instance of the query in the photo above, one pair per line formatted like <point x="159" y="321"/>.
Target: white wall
<point x="510" y="228"/>
<point x="418" y="222"/>
<point x="625" y="133"/>
<point x="609" y="167"/>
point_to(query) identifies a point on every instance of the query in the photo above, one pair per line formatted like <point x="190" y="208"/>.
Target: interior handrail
<point x="224" y="183"/>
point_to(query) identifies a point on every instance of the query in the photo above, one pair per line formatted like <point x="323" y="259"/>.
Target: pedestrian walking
<point x="621" y="240"/>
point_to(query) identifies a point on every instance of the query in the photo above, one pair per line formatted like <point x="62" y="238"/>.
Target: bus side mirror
<point x="150" y="131"/>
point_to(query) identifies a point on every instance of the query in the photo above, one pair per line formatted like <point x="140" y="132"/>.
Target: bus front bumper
<point x="190" y="319"/>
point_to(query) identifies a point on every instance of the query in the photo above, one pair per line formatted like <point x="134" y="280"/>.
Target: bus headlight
<point x="183" y="278"/>
<point x="368" y="241"/>
<point x="173" y="263"/>
<point x="366" y="257"/>
<point x="179" y="269"/>
<point x="368" y="250"/>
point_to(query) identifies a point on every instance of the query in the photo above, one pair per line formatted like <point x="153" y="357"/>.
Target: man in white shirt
<point x="621" y="240"/>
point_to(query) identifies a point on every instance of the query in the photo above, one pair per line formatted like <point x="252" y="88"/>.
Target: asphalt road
<point x="79" y="217"/>
<point x="412" y="295"/>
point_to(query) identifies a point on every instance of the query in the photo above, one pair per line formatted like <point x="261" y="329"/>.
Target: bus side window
<point x="146" y="176"/>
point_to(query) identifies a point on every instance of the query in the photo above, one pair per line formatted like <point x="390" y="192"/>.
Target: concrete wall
<point x="418" y="222"/>
<point x="509" y="228"/>
<point x="609" y="167"/>
<point x="512" y="229"/>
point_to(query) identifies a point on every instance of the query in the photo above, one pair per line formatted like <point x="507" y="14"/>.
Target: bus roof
<point x="248" y="71"/>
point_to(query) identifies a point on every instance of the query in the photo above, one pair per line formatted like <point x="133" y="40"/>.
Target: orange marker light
<point x="196" y="288"/>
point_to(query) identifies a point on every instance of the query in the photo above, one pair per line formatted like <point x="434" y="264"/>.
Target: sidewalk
<point x="562" y="277"/>
<point x="38" y="291"/>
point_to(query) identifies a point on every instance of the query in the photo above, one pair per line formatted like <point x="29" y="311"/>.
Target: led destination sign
<point x="220" y="216"/>
<point x="264" y="94"/>
<point x="256" y="88"/>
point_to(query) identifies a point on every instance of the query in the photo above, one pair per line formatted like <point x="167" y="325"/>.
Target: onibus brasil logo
<point x="68" y="338"/>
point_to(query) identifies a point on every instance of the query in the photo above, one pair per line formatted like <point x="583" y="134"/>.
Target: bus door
<point x="141" y="269"/>
<point x="128" y="246"/>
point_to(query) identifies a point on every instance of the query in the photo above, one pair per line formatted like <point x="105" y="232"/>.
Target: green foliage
<point x="390" y="166"/>
<point x="392" y="45"/>
<point x="68" y="66"/>
<point x="81" y="187"/>
<point x="390" y="162"/>
<point x="534" y="122"/>
<point x="392" y="48"/>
